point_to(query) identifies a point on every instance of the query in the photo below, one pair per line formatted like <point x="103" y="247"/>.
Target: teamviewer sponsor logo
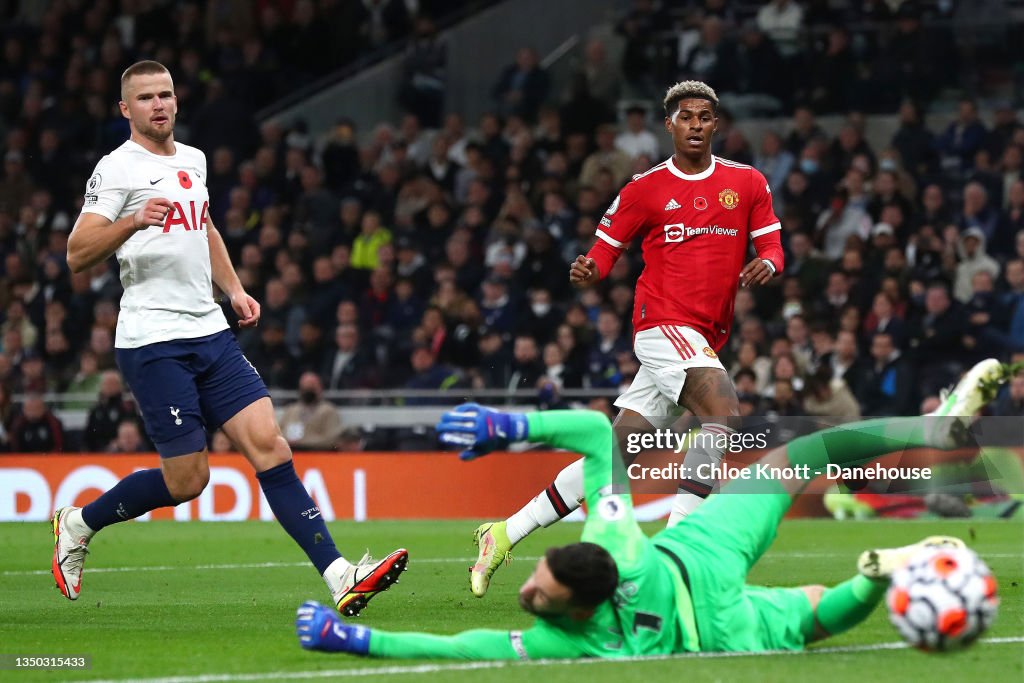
<point x="675" y="232"/>
<point x="678" y="232"/>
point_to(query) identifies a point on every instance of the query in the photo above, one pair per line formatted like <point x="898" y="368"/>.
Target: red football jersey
<point x="695" y="230"/>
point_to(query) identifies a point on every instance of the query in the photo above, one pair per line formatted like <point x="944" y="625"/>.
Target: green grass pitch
<point x="190" y="602"/>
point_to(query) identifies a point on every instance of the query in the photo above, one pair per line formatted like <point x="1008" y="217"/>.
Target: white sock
<point x="77" y="526"/>
<point x="334" y="575"/>
<point x="683" y="504"/>
<point x="707" y="448"/>
<point x="563" y="496"/>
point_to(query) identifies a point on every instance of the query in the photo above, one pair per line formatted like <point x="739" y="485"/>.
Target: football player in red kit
<point x="695" y="214"/>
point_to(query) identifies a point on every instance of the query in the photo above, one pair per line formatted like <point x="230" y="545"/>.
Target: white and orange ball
<point x="943" y="599"/>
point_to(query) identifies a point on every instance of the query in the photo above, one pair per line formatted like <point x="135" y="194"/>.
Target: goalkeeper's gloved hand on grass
<point x="479" y="430"/>
<point x="320" y="628"/>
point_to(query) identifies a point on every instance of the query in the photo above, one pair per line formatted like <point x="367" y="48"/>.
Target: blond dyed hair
<point x="685" y="90"/>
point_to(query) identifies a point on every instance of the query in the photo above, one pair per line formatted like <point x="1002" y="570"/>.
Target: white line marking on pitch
<point x="471" y="666"/>
<point x="220" y="567"/>
<point x="413" y="560"/>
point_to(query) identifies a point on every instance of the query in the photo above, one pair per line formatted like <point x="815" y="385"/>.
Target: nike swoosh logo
<point x="314" y="516"/>
<point x="154" y="182"/>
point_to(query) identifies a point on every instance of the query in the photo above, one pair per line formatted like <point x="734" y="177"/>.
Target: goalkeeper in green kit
<point x="619" y="593"/>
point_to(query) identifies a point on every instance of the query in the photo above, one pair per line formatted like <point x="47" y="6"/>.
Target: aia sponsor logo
<point x="190" y="221"/>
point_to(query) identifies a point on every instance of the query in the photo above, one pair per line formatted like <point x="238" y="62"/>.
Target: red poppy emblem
<point x="185" y="181"/>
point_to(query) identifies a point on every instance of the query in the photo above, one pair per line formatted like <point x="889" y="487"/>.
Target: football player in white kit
<point x="147" y="202"/>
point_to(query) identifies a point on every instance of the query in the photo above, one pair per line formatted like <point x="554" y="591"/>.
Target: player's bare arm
<point x="224" y="275"/>
<point x="757" y="272"/>
<point x="95" y="238"/>
<point x="583" y="272"/>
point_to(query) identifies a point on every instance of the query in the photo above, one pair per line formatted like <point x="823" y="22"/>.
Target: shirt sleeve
<point x="622" y="221"/>
<point x="611" y="522"/>
<point x="544" y="641"/>
<point x="539" y="642"/>
<point x="106" y="191"/>
<point x="765" y="229"/>
<point x="477" y="644"/>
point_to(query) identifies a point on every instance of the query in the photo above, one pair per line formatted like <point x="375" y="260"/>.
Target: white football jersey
<point x="165" y="270"/>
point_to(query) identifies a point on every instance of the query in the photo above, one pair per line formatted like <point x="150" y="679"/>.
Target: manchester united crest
<point x="729" y="199"/>
<point x="709" y="352"/>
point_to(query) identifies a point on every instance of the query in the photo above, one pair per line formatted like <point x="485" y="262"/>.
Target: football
<point x="943" y="599"/>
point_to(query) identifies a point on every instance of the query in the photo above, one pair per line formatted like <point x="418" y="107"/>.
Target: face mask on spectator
<point x="808" y="165"/>
<point x="540" y="309"/>
<point x="308" y="397"/>
<point x="887" y="165"/>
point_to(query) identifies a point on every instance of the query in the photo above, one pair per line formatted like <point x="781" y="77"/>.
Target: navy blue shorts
<point x="185" y="387"/>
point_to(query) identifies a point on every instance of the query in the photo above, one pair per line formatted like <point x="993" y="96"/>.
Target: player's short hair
<point x="687" y="90"/>
<point x="586" y="569"/>
<point x="144" y="68"/>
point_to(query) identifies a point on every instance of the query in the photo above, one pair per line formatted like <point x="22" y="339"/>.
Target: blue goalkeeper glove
<point x="479" y="430"/>
<point x="320" y="628"/>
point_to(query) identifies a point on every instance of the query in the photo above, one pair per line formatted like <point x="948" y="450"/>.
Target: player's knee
<point x="266" y="448"/>
<point x="186" y="485"/>
<point x="813" y="593"/>
<point x="728" y="408"/>
<point x="280" y="451"/>
<point x="271" y="450"/>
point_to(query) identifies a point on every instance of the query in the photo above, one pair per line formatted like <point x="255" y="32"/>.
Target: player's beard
<point x="529" y="608"/>
<point x="155" y="133"/>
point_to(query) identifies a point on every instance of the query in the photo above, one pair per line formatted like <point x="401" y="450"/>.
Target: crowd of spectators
<point x="765" y="57"/>
<point x="435" y="256"/>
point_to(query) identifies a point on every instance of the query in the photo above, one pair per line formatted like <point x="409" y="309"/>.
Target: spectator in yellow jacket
<point x="372" y="236"/>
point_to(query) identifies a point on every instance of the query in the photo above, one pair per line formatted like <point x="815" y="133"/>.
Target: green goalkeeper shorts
<point x="718" y="544"/>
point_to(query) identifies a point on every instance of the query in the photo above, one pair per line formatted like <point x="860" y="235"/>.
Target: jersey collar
<point x="134" y="145"/>
<point x="695" y="176"/>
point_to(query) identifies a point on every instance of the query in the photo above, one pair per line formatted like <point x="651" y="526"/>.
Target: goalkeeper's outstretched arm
<point x="610" y="520"/>
<point x="321" y="628"/>
<point x="476" y="644"/>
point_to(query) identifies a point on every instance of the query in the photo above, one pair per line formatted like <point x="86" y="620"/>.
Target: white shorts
<point x="665" y="353"/>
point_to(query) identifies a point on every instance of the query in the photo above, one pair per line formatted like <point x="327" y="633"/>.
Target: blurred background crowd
<point x="431" y="252"/>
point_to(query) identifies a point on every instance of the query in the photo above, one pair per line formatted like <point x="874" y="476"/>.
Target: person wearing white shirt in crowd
<point x="637" y="140"/>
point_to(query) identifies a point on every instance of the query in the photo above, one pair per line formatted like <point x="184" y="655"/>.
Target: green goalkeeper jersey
<point x="650" y="613"/>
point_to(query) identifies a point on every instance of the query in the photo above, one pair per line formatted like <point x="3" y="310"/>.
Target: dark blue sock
<point x="135" y="495"/>
<point x="298" y="514"/>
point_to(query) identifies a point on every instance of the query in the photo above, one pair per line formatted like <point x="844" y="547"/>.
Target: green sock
<point x="844" y="606"/>
<point x="999" y="467"/>
<point x="851" y="444"/>
<point x="857" y="442"/>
